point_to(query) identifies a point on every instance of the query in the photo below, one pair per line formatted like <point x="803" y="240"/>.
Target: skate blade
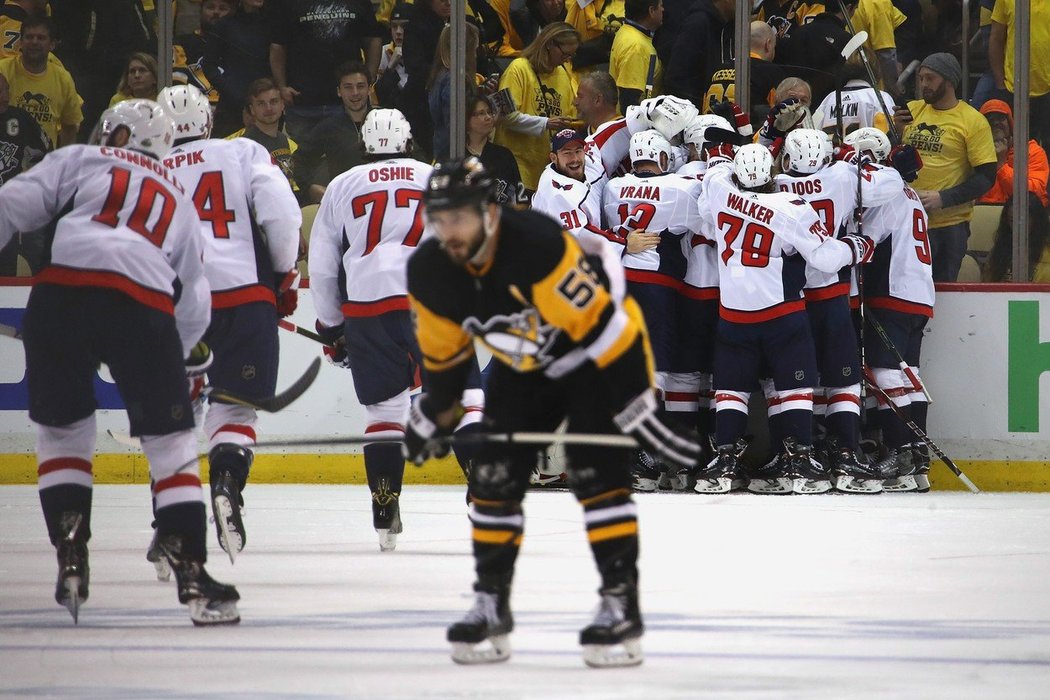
<point x="810" y="486"/>
<point x="849" y="484"/>
<point x="469" y="654"/>
<point x="922" y="483"/>
<point x="231" y="541"/>
<point x="680" y="482"/>
<point x="771" y="487"/>
<point x="645" y="485"/>
<point x="612" y="655"/>
<point x="719" y="485"/>
<point x="547" y="479"/>
<point x="900" y="484"/>
<point x="387" y="540"/>
<point x="72" y="599"/>
<point x="206" y="612"/>
<point x="666" y="482"/>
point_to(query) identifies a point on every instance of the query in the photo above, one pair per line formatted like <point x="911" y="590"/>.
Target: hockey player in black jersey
<point x="568" y="343"/>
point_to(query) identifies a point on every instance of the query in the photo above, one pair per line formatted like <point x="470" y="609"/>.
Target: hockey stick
<point x="518" y="438"/>
<point x="919" y="432"/>
<point x="916" y="383"/>
<point x="275" y="403"/>
<point x="894" y="136"/>
<point x="316" y="337"/>
<point x="10" y="331"/>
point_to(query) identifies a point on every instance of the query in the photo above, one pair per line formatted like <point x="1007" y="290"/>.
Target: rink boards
<point x="986" y="361"/>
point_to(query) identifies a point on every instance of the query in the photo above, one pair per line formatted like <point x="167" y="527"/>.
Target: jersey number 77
<point x="374" y="204"/>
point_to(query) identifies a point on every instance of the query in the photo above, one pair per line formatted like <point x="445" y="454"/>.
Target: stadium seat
<point x="970" y="270"/>
<point x="983" y="226"/>
<point x="309" y="212"/>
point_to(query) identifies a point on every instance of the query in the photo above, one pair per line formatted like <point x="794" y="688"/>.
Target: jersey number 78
<point x="754" y="249"/>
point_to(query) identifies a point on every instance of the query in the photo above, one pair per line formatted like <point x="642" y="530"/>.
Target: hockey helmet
<point x="386" y="131"/>
<point x="671" y="115"/>
<point x="868" y="139"/>
<point x="753" y="166"/>
<point x="189" y="109"/>
<point x="694" y="133"/>
<point x="149" y="129"/>
<point x="648" y="146"/>
<point x="806" y="151"/>
<point x="458" y="183"/>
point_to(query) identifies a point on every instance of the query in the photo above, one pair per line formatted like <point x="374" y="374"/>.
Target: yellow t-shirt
<point x="551" y="99"/>
<point x="952" y="142"/>
<point x="1039" y="65"/>
<point x="593" y="20"/>
<point x="878" y="18"/>
<point x="632" y="57"/>
<point x="50" y="97"/>
<point x="804" y="12"/>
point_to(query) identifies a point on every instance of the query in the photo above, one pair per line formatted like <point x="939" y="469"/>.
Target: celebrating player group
<point x="670" y="267"/>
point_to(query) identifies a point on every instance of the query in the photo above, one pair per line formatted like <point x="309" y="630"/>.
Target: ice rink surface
<point x="909" y="596"/>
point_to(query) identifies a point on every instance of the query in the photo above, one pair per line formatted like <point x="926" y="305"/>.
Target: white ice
<point x="910" y="596"/>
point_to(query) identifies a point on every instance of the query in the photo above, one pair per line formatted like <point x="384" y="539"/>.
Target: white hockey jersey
<point x="701" y="252"/>
<point x="123" y="223"/>
<point x="561" y="198"/>
<point x="832" y="192"/>
<point x="900" y="275"/>
<point x="664" y="204"/>
<point x="249" y="218"/>
<point x="760" y="277"/>
<point x="860" y="107"/>
<point x="369" y="223"/>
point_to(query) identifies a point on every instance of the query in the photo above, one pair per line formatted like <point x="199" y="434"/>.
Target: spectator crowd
<point x="299" y="76"/>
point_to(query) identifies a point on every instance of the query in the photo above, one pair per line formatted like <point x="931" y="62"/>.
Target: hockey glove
<point x="639" y="420"/>
<point x="731" y="112"/>
<point x="423" y="438"/>
<point x="907" y="161"/>
<point x="784" y="117"/>
<point x="718" y="153"/>
<point x="287" y="293"/>
<point x="863" y="247"/>
<point x="335" y="345"/>
<point x="197" y="365"/>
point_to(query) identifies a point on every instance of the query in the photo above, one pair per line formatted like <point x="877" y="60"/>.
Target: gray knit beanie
<point x="946" y="65"/>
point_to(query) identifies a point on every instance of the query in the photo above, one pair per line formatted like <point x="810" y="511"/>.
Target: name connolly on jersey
<point x="144" y="161"/>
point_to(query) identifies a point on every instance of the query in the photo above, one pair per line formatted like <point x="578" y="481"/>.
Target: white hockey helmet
<point x="806" y="151"/>
<point x="670" y="115"/>
<point x="386" y="131"/>
<point x="148" y="127"/>
<point x="189" y="108"/>
<point x="871" y="140"/>
<point x="648" y="146"/>
<point x="753" y="166"/>
<point x="694" y="133"/>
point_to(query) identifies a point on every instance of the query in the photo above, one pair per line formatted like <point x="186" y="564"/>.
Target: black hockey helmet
<point x="458" y="183"/>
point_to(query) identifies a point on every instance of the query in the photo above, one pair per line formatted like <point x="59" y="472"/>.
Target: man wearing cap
<point x="959" y="162"/>
<point x="392" y="73"/>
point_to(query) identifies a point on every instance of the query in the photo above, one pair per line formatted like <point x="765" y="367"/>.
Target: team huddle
<point x="669" y="268"/>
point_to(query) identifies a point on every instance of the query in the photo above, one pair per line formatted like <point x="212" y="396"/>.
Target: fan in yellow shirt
<point x="879" y="18"/>
<point x="1001" y="60"/>
<point x="543" y="90"/>
<point x="633" y="63"/>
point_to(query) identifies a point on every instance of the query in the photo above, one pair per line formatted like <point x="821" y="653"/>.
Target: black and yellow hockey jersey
<point x="542" y="304"/>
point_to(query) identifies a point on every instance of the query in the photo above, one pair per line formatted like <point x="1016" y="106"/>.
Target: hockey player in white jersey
<point x="831" y="188"/>
<point x="368" y="225"/>
<point x="765" y="240"/>
<point x="249" y="224"/>
<point x="860" y="105"/>
<point x="898" y="293"/>
<point x="650" y="199"/>
<point x="123" y="285"/>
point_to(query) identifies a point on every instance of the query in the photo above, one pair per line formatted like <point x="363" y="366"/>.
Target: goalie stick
<point x="919" y="432"/>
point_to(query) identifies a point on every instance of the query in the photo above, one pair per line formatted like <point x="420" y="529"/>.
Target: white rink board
<point x="896" y="596"/>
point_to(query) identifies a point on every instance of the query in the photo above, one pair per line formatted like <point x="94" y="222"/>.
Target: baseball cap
<point x="564" y="137"/>
<point x="399" y="13"/>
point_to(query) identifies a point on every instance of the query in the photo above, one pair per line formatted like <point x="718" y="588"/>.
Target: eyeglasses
<point x="566" y="52"/>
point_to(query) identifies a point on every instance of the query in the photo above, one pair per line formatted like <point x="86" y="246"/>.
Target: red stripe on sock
<point x="379" y="427"/>
<point x="729" y="397"/>
<point x="176" y="481"/>
<point x="844" y="397"/>
<point x="245" y="430"/>
<point x="776" y="400"/>
<point x="59" y="463"/>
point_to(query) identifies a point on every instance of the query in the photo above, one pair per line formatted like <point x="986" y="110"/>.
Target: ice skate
<point x="921" y="457"/>
<point x="773" y="477"/>
<point x="898" y="470"/>
<point x="210" y="602"/>
<point x="547" y="473"/>
<point x="386" y="516"/>
<point x="852" y="475"/>
<point x="71" y="589"/>
<point x="156" y="557"/>
<point x="226" y="501"/>
<point x="614" y="637"/>
<point x="808" y="476"/>
<point x="488" y="621"/>
<point x="645" y="472"/>
<point x="722" y="473"/>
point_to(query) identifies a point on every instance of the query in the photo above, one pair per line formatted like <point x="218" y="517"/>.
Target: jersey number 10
<point x="149" y="192"/>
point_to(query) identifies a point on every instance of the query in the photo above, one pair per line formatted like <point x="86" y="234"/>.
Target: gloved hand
<point x="197" y="365"/>
<point x="719" y="152"/>
<point x="287" y="293"/>
<point x="639" y="420"/>
<point x="845" y="153"/>
<point x="731" y="112"/>
<point x="862" y="246"/>
<point x="784" y="117"/>
<point x="335" y="345"/>
<point x="423" y="436"/>
<point x="907" y="161"/>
